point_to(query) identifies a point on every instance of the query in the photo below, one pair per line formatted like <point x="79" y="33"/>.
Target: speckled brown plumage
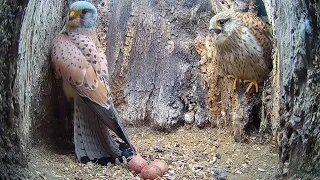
<point x="243" y="45"/>
<point x="83" y="67"/>
<point x="77" y="60"/>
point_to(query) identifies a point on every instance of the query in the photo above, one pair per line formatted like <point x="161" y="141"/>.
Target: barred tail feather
<point x="91" y="137"/>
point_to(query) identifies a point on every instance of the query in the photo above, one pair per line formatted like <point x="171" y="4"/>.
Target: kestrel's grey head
<point x="223" y="25"/>
<point x="82" y="16"/>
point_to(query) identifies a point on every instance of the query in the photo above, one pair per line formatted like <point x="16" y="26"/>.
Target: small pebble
<point x="158" y="147"/>
<point x="229" y="161"/>
<point x="261" y="170"/>
<point x="245" y="165"/>
<point x="214" y="160"/>
<point x="217" y="144"/>
<point x="196" y="167"/>
<point x="218" y="156"/>
<point x="220" y="174"/>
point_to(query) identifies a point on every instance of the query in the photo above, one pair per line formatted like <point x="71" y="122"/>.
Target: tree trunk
<point x="153" y="63"/>
<point x="296" y="86"/>
<point x="27" y="97"/>
<point x="12" y="154"/>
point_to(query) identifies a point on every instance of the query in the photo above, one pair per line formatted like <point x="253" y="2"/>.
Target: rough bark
<point x="153" y="63"/>
<point x="27" y="98"/>
<point x="12" y="155"/>
<point x="296" y="86"/>
<point x="221" y="99"/>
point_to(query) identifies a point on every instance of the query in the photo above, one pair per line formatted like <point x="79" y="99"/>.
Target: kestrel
<point x="243" y="46"/>
<point x="83" y="66"/>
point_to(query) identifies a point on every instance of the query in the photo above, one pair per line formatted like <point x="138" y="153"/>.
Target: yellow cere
<point x="74" y="13"/>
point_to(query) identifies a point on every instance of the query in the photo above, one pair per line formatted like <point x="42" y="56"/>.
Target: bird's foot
<point x="252" y="82"/>
<point x="235" y="81"/>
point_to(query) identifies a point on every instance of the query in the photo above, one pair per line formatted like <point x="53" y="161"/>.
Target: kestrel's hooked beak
<point x="216" y="29"/>
<point x="73" y="19"/>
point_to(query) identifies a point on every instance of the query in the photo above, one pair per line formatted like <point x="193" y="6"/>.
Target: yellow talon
<point x="235" y="81"/>
<point x="252" y="82"/>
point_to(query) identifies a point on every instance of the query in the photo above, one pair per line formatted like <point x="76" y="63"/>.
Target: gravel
<point x="190" y="153"/>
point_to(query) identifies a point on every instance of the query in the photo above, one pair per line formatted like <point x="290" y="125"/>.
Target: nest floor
<point x="190" y="152"/>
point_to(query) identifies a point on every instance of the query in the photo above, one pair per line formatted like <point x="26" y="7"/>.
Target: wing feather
<point x="73" y="66"/>
<point x="77" y="60"/>
<point x="260" y="30"/>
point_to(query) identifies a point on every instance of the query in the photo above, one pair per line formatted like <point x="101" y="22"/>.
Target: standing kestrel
<point x="83" y="67"/>
<point x="243" y="46"/>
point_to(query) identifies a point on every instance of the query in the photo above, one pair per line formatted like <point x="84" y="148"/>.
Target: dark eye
<point x="84" y="11"/>
<point x="221" y="22"/>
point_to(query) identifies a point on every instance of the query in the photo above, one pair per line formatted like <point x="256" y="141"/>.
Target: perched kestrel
<point x="83" y="67"/>
<point x="243" y="46"/>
